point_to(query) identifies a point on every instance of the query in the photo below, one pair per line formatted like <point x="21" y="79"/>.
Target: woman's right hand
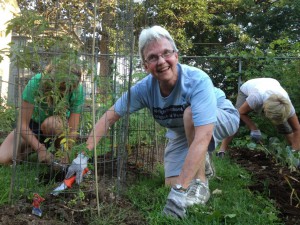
<point x="44" y="156"/>
<point x="255" y="135"/>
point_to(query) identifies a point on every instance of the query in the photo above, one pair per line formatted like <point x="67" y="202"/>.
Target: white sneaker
<point x="197" y="193"/>
<point x="209" y="167"/>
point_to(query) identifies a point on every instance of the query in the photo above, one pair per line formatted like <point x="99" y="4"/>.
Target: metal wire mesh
<point x="105" y="78"/>
<point x="134" y="144"/>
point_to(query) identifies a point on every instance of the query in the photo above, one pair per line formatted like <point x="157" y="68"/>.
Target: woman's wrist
<point x="41" y="147"/>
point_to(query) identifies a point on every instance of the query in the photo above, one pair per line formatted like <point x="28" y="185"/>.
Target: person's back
<point x="263" y="86"/>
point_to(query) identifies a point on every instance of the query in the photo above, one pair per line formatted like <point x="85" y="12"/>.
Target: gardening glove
<point x="77" y="167"/>
<point x="176" y="204"/>
<point x="255" y="135"/>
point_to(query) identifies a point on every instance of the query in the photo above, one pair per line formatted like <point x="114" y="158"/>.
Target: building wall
<point x="8" y="9"/>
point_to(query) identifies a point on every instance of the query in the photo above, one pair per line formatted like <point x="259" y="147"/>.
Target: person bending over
<point x="266" y="95"/>
<point x="49" y="99"/>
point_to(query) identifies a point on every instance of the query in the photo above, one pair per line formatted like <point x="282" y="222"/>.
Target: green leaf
<point x="230" y="215"/>
<point x="251" y="145"/>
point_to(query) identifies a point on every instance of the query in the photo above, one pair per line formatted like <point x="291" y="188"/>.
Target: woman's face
<point x="70" y="85"/>
<point x="161" y="60"/>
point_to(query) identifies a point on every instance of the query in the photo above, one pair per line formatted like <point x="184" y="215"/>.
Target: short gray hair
<point x="153" y="33"/>
<point x="277" y="108"/>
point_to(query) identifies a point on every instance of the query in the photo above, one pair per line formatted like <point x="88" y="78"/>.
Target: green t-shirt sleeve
<point x="31" y="89"/>
<point x="77" y="100"/>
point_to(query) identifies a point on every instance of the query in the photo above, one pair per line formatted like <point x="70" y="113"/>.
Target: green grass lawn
<point x="25" y="183"/>
<point x="5" y="180"/>
<point x="231" y="202"/>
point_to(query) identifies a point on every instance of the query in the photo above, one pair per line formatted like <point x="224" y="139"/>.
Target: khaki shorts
<point x="241" y="98"/>
<point x="175" y="153"/>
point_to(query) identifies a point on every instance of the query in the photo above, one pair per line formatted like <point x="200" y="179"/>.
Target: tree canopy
<point x="203" y="27"/>
<point x="228" y="28"/>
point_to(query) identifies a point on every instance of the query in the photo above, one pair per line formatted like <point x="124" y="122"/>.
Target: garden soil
<point x="271" y="180"/>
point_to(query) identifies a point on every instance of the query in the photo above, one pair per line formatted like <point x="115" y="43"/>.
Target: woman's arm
<point x="73" y="123"/>
<point x="26" y="133"/>
<point x="244" y="110"/>
<point x="102" y="126"/>
<point x="294" y="139"/>
<point x="194" y="163"/>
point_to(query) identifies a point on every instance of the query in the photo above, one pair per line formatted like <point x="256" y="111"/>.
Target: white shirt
<point x="259" y="90"/>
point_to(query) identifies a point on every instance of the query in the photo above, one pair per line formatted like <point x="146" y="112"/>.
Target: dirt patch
<point x="57" y="212"/>
<point x="273" y="181"/>
<point x="70" y="208"/>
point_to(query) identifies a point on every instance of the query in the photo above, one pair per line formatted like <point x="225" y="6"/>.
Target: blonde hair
<point x="59" y="79"/>
<point x="73" y="69"/>
<point x="277" y="108"/>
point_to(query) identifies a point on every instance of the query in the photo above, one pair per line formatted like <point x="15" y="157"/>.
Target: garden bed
<point x="271" y="180"/>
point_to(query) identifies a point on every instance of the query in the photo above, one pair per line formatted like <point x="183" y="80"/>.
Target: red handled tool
<point x="67" y="183"/>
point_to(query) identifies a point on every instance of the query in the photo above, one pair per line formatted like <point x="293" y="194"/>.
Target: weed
<point x="231" y="204"/>
<point x="78" y="197"/>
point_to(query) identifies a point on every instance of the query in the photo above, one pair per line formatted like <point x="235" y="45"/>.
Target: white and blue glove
<point x="77" y="167"/>
<point x="176" y="204"/>
<point x="255" y="135"/>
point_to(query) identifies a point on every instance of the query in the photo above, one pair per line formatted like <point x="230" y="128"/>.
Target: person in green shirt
<point x="51" y="101"/>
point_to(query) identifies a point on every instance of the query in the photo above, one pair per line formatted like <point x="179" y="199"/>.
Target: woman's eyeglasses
<point x="154" y="58"/>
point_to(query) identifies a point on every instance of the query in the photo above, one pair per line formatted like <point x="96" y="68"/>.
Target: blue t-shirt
<point x="193" y="88"/>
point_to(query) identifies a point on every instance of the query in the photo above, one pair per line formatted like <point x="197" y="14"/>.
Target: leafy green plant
<point x="62" y="51"/>
<point x="78" y="197"/>
<point x="81" y="148"/>
<point x="284" y="154"/>
<point x="8" y="115"/>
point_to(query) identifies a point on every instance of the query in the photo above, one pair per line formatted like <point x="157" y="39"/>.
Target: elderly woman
<point x="182" y="99"/>
<point x="49" y="99"/>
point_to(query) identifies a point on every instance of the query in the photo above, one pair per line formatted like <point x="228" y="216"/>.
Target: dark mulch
<point x="68" y="209"/>
<point x="274" y="181"/>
